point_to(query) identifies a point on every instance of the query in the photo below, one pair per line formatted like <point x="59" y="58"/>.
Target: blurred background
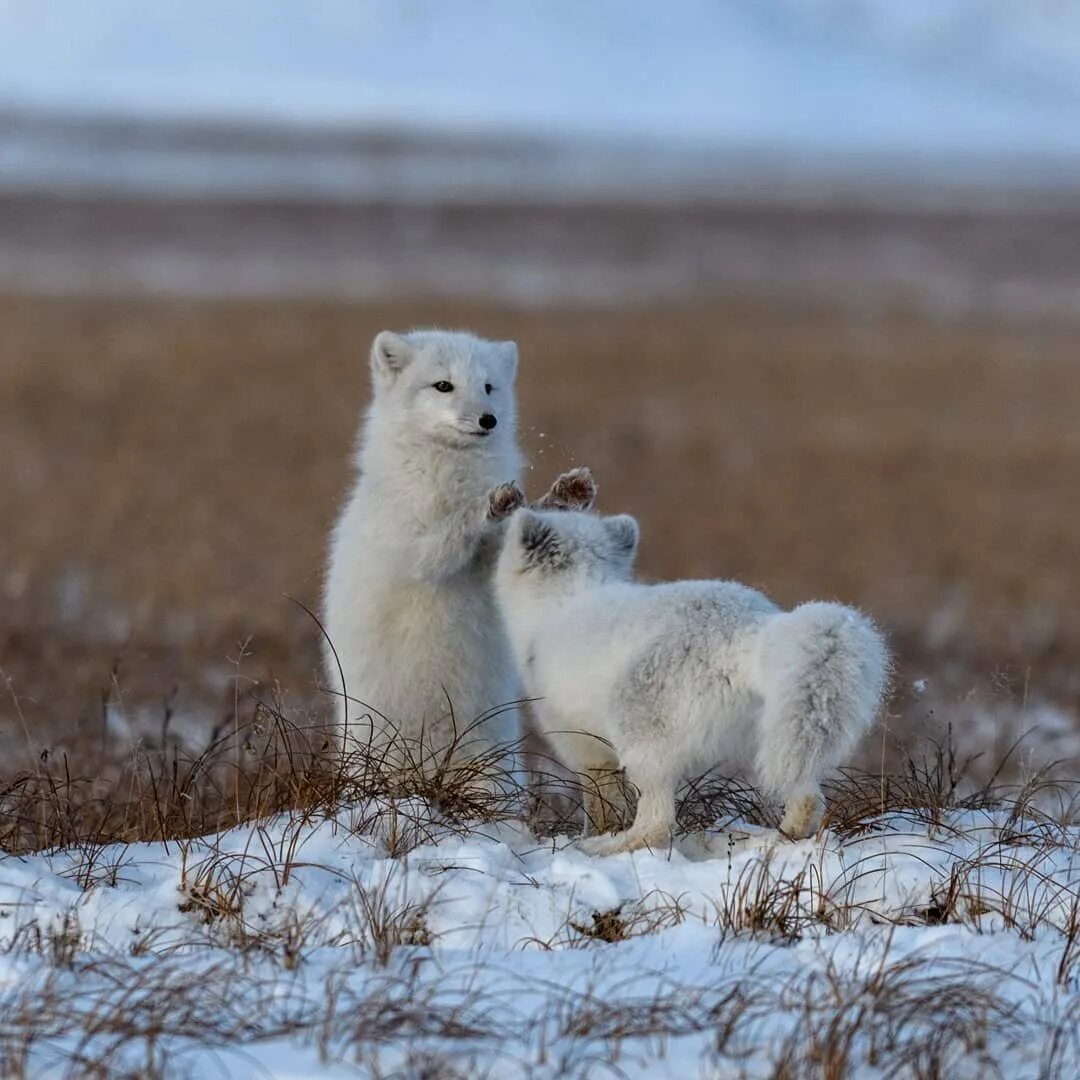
<point x="800" y="281"/>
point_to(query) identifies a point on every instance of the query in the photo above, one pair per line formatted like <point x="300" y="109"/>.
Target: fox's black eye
<point x="443" y="386"/>
<point x="488" y="388"/>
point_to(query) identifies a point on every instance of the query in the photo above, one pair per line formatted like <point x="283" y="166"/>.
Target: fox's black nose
<point x="487" y="421"/>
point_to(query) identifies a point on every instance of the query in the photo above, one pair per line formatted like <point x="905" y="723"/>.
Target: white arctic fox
<point x="664" y="680"/>
<point x="416" y="644"/>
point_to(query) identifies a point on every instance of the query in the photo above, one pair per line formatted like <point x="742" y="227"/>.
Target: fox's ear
<point x="531" y="527"/>
<point x="390" y="355"/>
<point x="508" y="354"/>
<point x="623" y="532"/>
<point x="539" y="541"/>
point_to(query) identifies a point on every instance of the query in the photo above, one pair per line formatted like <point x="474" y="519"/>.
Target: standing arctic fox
<point x="415" y="643"/>
<point x="663" y="680"/>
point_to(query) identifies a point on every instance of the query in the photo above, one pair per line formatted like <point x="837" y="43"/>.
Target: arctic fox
<point x="663" y="680"/>
<point x="414" y="641"/>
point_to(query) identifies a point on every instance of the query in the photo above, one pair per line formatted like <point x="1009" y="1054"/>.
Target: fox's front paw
<point x="574" y="490"/>
<point x="503" y="500"/>
<point x="657" y="839"/>
<point x="597" y="846"/>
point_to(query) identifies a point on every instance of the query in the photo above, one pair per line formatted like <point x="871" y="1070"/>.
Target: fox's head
<point x="568" y="547"/>
<point x="450" y="387"/>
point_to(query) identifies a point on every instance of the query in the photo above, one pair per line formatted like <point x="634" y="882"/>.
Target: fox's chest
<point x="404" y="611"/>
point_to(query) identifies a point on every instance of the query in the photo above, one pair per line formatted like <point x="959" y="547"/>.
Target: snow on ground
<point x="302" y="946"/>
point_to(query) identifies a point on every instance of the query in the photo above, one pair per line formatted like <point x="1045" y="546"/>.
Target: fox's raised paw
<point x="503" y="500"/>
<point x="573" y="490"/>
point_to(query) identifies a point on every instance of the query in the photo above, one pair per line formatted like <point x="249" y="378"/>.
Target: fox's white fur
<point x="666" y="680"/>
<point x="416" y="645"/>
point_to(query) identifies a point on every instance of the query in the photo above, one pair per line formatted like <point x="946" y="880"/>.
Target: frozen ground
<point x="381" y="940"/>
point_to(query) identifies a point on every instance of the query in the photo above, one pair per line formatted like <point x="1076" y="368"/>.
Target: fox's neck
<point x="528" y="608"/>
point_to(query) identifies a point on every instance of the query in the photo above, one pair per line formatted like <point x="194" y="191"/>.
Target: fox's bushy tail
<point x="822" y="670"/>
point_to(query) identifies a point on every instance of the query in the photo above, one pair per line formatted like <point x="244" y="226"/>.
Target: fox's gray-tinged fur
<point x="667" y="680"/>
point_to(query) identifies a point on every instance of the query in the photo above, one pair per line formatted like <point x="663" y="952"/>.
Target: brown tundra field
<point x="171" y="466"/>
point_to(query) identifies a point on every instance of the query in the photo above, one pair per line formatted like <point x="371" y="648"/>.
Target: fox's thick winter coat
<point x="672" y="679"/>
<point x="415" y="644"/>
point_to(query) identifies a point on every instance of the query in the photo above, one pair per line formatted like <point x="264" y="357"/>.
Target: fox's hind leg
<point x="821" y="669"/>
<point x="802" y="815"/>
